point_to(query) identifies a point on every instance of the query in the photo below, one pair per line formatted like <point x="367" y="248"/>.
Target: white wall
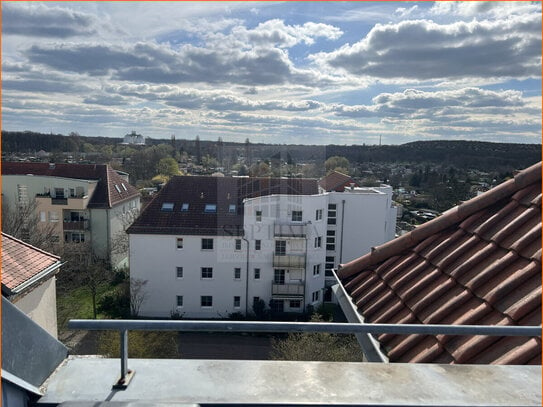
<point x="156" y="257"/>
<point x="40" y="305"/>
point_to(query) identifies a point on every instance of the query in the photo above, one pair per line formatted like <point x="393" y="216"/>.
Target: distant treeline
<point x="484" y="156"/>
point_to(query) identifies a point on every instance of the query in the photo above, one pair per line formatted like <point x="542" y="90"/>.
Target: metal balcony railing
<point x="289" y="230"/>
<point x="288" y="289"/>
<point x="288" y="260"/>
<point x="76" y="225"/>
<point x="123" y="326"/>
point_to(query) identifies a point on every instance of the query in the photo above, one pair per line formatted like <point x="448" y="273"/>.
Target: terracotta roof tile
<point x="22" y="262"/>
<point x="336" y="181"/>
<point x="478" y="263"/>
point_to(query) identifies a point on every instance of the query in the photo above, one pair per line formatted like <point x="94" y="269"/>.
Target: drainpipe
<point x="305" y="268"/>
<point x="247" y="280"/>
<point x="342" y="223"/>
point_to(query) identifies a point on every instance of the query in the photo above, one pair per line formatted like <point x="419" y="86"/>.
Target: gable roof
<point x="24" y="265"/>
<point x="198" y="191"/>
<point x="336" y="181"/>
<point x="478" y="264"/>
<point x="106" y="194"/>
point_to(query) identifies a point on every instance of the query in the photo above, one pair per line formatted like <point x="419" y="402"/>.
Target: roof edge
<point x="454" y="215"/>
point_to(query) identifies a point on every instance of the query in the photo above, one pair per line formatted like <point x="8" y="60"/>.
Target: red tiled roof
<point x="477" y="264"/>
<point x="105" y="195"/>
<point x="336" y="181"/>
<point x="21" y="262"/>
<point x="197" y="191"/>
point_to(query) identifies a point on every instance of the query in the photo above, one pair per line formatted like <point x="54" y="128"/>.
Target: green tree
<point x="167" y="166"/>
<point x="318" y="346"/>
<point x="337" y="163"/>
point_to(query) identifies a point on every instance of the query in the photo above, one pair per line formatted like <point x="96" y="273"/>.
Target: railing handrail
<point x="281" y="327"/>
<point x="123" y="326"/>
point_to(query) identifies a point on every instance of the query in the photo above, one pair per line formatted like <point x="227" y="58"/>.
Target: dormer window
<point x="232" y="208"/>
<point x="210" y="208"/>
<point x="184" y="207"/>
<point x="167" y="207"/>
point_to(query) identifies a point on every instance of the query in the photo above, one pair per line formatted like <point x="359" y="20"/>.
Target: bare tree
<point x="138" y="295"/>
<point x="22" y="222"/>
<point x="119" y="243"/>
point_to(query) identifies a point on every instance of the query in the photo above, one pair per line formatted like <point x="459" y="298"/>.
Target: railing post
<point x="126" y="374"/>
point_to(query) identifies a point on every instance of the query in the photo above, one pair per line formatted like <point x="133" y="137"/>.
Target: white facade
<point x="281" y="259"/>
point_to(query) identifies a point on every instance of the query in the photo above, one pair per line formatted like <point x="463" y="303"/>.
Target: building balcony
<point x="290" y="289"/>
<point x="76" y="225"/>
<point x="289" y="260"/>
<point x="59" y="201"/>
<point x="295" y="230"/>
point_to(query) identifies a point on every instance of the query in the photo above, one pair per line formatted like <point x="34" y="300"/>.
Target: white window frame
<point x="237" y="301"/>
<point x="179" y="301"/>
<point x="237" y="273"/>
<point x="237" y="245"/>
<point x="179" y="272"/>
<point x="207" y="297"/>
<point x="256" y="273"/>
<point x="318" y="214"/>
<point x="258" y="215"/>
<point x="296" y="216"/>
<point x="177" y="241"/>
<point x="207" y="240"/>
<point x="206" y="273"/>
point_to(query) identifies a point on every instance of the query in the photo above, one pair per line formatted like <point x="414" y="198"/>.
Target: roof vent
<point x="51" y="166"/>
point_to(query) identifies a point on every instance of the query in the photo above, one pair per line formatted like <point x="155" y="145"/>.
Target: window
<point x="332" y="214"/>
<point x="315" y="296"/>
<point x="231" y="208"/>
<point x="167" y="207"/>
<point x="43" y="216"/>
<point x="59" y="192"/>
<point x="316" y="269"/>
<point x="237" y="273"/>
<point x="210" y="208"/>
<point x="53" y="216"/>
<point x="207" y="272"/>
<point x="257" y="274"/>
<point x="179" y="242"/>
<point x="237" y="302"/>
<point x="295" y="303"/>
<point x="279" y="276"/>
<point x="206" y="301"/>
<point x="184" y="207"/>
<point x="330" y="233"/>
<point x="318" y="241"/>
<point x="280" y="247"/>
<point x="330" y="260"/>
<point x="238" y="244"/>
<point x="296" y="216"/>
<point x="258" y="244"/>
<point x="207" y="244"/>
<point x="318" y="214"/>
<point x="258" y="216"/>
<point x="22" y="194"/>
<point x="124" y="187"/>
<point x="331" y="240"/>
<point x="78" y="237"/>
<point x="179" y="300"/>
<point x="117" y="188"/>
<point x="179" y="272"/>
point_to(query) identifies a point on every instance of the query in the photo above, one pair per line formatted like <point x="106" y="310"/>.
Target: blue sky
<point x="275" y="72"/>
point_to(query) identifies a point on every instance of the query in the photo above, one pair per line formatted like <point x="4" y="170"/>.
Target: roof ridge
<point x="454" y="215"/>
<point x="5" y="235"/>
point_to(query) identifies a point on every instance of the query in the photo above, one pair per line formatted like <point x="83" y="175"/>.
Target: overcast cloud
<point x="275" y="72"/>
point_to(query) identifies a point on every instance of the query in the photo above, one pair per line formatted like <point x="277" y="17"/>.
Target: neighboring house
<point x="28" y="281"/>
<point x="337" y="181"/>
<point x="211" y="246"/>
<point x="477" y="264"/>
<point x="83" y="203"/>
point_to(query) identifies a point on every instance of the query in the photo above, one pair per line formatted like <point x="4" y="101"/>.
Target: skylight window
<point x="124" y="186"/>
<point x="210" y="208"/>
<point x="184" y="207"/>
<point x="117" y="188"/>
<point x="167" y="207"/>
<point x="232" y="208"/>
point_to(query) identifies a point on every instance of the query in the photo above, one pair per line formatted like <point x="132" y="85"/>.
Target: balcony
<point x="59" y="201"/>
<point x="296" y="230"/>
<point x="76" y="225"/>
<point x="289" y="289"/>
<point x="289" y="260"/>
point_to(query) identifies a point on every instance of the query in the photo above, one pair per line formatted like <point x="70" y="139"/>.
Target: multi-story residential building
<point x="211" y="246"/>
<point x="90" y="204"/>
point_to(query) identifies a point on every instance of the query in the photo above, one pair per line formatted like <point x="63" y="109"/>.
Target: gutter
<point x="369" y="345"/>
<point x="49" y="270"/>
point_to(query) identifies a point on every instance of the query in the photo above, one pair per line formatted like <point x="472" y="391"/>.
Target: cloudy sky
<point x="275" y="72"/>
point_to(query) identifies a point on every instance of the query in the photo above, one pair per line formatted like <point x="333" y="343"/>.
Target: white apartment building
<point x="84" y="203"/>
<point x="212" y="246"/>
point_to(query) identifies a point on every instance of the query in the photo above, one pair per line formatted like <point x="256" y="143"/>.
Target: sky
<point x="275" y="72"/>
